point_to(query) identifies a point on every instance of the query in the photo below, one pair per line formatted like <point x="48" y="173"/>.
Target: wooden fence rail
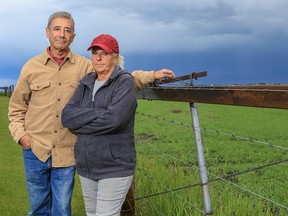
<point x="265" y="96"/>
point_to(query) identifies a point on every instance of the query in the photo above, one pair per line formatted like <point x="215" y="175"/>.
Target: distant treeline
<point x="7" y="90"/>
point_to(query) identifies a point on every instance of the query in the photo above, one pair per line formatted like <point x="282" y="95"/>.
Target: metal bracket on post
<point x="201" y="159"/>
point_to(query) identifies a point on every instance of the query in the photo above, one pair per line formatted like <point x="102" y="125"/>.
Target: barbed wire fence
<point x="212" y="177"/>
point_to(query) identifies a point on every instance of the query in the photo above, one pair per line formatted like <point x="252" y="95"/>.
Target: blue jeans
<point x="105" y="196"/>
<point x="50" y="189"/>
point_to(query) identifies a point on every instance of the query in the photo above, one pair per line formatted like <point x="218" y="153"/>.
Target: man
<point x="46" y="83"/>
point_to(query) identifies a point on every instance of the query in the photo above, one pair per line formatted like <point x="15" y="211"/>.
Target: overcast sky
<point x="237" y="42"/>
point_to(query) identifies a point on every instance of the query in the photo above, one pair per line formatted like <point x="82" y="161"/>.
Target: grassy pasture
<point x="166" y="152"/>
<point x="167" y="159"/>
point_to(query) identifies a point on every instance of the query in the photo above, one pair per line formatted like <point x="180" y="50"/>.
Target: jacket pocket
<point x="40" y="93"/>
<point x="74" y="84"/>
<point x="39" y="86"/>
<point x="72" y="87"/>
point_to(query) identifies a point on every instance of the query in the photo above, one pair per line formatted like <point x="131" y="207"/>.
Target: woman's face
<point x="102" y="61"/>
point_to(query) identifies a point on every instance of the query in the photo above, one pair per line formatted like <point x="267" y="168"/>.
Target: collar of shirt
<point x="58" y="60"/>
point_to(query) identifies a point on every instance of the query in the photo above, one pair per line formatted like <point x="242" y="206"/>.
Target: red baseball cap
<point x="105" y="42"/>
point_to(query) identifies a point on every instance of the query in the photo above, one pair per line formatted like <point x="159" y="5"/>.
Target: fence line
<point x="223" y="178"/>
<point x="171" y="191"/>
<point x="215" y="131"/>
<point x="217" y="178"/>
<point x="8" y="90"/>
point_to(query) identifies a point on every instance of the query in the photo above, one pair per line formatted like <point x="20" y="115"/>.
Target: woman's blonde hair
<point x="120" y="60"/>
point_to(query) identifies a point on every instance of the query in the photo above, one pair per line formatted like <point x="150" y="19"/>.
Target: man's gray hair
<point x="61" y="14"/>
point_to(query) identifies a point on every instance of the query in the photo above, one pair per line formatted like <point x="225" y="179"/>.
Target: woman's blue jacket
<point x="104" y="126"/>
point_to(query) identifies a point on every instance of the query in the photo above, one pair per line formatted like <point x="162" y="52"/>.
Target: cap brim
<point x="105" y="48"/>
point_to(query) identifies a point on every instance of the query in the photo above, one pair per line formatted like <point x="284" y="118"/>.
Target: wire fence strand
<point x="224" y="178"/>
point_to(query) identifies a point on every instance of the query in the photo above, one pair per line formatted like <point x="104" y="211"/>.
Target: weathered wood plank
<point x="265" y="96"/>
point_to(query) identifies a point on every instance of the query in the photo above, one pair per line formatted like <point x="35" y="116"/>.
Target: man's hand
<point x="25" y="142"/>
<point x="163" y="73"/>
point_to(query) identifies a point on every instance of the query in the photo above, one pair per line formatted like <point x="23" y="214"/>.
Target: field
<point x="235" y="139"/>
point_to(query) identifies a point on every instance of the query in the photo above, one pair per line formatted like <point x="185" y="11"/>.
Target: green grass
<point x="166" y="158"/>
<point x="166" y="151"/>
<point x="13" y="195"/>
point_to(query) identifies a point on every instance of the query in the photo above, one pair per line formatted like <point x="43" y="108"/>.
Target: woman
<point x="101" y="113"/>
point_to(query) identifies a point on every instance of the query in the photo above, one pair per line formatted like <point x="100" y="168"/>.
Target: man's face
<point x="60" y="33"/>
